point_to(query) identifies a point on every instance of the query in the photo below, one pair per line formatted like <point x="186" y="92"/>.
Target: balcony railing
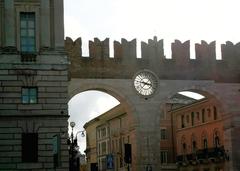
<point x="215" y="155"/>
<point x="28" y="57"/>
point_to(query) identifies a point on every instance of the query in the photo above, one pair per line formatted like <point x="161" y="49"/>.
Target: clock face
<point x="145" y="83"/>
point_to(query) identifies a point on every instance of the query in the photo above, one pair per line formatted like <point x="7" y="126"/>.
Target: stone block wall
<point x="125" y="62"/>
<point x="44" y="67"/>
<point x="47" y="117"/>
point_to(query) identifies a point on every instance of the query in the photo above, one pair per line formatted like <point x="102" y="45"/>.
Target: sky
<point x="142" y="19"/>
<point x="193" y="20"/>
<point x="85" y="106"/>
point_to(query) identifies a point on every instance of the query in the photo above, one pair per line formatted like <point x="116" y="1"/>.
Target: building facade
<point x="167" y="141"/>
<point x="33" y="86"/>
<point x="200" y="137"/>
<point x="112" y="131"/>
<point x="192" y="137"/>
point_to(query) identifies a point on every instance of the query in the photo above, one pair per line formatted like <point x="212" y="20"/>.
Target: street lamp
<point x="74" y="164"/>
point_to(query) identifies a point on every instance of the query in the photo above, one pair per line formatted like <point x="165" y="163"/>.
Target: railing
<point x="28" y="57"/>
<point x="215" y="155"/>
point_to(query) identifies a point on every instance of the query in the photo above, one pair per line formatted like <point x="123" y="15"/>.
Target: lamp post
<point x="74" y="149"/>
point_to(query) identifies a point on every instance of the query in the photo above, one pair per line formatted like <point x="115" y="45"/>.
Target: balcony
<point x="214" y="155"/>
<point x="28" y="57"/>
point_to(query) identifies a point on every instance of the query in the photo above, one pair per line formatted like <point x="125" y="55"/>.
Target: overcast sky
<point x="142" y="19"/>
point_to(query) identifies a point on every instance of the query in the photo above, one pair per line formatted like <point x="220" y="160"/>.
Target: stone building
<point x="33" y="86"/>
<point x="191" y="134"/>
<point x="36" y="81"/>
<point x="107" y="135"/>
<point x="144" y="100"/>
<point x="200" y="137"/>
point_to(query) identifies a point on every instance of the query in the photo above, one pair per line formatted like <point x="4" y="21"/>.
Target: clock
<point x="145" y="83"/>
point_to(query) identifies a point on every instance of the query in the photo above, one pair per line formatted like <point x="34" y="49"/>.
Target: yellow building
<point x="107" y="135"/>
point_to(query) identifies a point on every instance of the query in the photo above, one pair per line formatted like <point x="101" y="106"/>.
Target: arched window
<point x="194" y="144"/>
<point x="183" y="145"/>
<point x="205" y="143"/>
<point x="216" y="139"/>
<point x="203" y="115"/>
<point x="192" y="118"/>
<point x="215" y="113"/>
<point x="182" y="121"/>
<point x="204" y="140"/>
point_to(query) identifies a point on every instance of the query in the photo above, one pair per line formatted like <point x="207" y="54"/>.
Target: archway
<point x="146" y="113"/>
<point x="190" y="116"/>
<point x="105" y="119"/>
<point x="85" y="106"/>
<point x="77" y="86"/>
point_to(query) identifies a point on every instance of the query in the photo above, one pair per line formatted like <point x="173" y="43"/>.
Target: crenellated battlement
<point x="125" y="62"/>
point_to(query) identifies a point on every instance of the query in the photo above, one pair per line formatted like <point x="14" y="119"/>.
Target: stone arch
<point x="133" y="105"/>
<point x="205" y="90"/>
<point x="106" y="88"/>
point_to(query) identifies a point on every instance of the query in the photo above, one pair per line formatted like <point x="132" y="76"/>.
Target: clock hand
<point x="146" y="83"/>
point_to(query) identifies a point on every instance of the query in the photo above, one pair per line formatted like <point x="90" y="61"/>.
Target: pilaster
<point x="9" y="23"/>
<point x="45" y="24"/>
<point x="58" y="24"/>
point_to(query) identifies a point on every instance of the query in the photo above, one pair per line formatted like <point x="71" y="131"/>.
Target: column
<point x="45" y="24"/>
<point x="1" y="24"/>
<point x="58" y="24"/>
<point x="9" y="25"/>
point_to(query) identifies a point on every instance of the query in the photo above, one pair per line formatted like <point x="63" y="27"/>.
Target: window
<point x="216" y="139"/>
<point x="103" y="163"/>
<point x="192" y="118"/>
<point x="99" y="148"/>
<point x="99" y="135"/>
<point x="27" y="32"/>
<point x="182" y="121"/>
<point x="29" y="147"/>
<point x="205" y="143"/>
<point x="163" y="133"/>
<point x="103" y="133"/>
<point x="215" y="112"/>
<point x="104" y="147"/>
<point x="194" y="146"/>
<point x="29" y="95"/>
<point x="164" y="156"/>
<point x="204" y="140"/>
<point x="203" y="115"/>
<point x="113" y="149"/>
<point x="184" y="148"/>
